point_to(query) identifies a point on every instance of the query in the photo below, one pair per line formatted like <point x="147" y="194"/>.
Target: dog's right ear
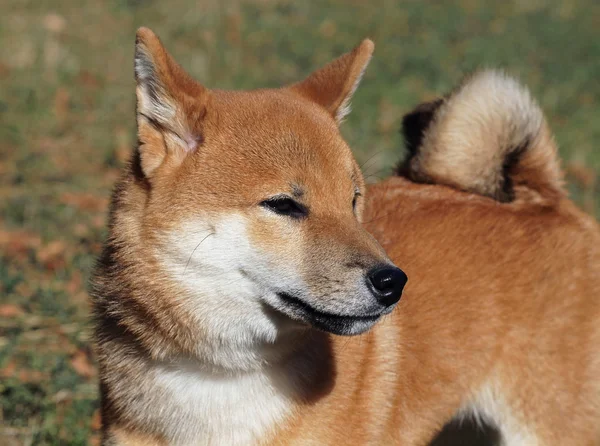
<point x="332" y="86"/>
<point x="170" y="105"/>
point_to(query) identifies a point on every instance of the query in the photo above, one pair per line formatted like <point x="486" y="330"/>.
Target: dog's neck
<point x="220" y="408"/>
<point x="238" y="407"/>
<point x="191" y="402"/>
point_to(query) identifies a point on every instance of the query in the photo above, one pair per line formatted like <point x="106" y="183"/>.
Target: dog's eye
<point x="286" y="206"/>
<point x="354" y="200"/>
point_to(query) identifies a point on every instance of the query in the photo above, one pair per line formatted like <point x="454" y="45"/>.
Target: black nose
<point x="386" y="283"/>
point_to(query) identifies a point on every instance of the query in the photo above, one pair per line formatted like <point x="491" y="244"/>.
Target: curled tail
<point x="487" y="137"/>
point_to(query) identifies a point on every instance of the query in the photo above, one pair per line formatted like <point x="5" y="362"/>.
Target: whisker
<point x="363" y="165"/>
<point x="197" y="246"/>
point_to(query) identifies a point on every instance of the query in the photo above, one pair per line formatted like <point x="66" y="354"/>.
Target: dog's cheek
<point x="278" y="246"/>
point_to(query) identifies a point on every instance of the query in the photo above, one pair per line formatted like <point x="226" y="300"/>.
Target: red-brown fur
<point x="501" y="296"/>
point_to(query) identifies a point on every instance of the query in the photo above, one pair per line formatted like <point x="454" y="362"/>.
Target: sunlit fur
<point x="488" y="137"/>
<point x="197" y="343"/>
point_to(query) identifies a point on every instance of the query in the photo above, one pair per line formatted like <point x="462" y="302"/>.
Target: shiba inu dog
<point x="242" y="243"/>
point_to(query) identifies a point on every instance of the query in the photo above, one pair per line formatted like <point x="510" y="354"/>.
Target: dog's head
<point x="254" y="201"/>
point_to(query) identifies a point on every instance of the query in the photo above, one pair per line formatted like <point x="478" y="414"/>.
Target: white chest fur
<point x="203" y="409"/>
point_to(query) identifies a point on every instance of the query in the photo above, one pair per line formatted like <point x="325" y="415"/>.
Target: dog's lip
<point x="310" y="309"/>
<point x="330" y="322"/>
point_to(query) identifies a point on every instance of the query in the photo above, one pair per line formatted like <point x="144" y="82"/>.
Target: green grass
<point x="67" y="124"/>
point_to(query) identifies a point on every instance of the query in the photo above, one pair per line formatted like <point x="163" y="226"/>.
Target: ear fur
<point x="332" y="86"/>
<point x="170" y="104"/>
<point x="487" y="137"/>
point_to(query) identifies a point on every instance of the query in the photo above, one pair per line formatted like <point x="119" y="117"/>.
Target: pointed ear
<point x="170" y="105"/>
<point x="332" y="86"/>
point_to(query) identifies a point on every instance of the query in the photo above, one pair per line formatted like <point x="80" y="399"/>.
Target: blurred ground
<point x="67" y="125"/>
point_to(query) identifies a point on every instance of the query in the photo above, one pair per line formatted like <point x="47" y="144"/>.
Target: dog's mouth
<point x="332" y="323"/>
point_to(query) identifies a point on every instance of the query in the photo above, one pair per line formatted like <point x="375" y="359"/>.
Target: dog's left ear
<point x="332" y="86"/>
<point x="170" y="105"/>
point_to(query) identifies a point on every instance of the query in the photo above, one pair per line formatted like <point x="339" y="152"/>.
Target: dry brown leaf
<point x="75" y="283"/>
<point x="328" y="28"/>
<point x="233" y="33"/>
<point x="84" y="201"/>
<point x="96" y="423"/>
<point x="583" y="175"/>
<point x="8" y="370"/>
<point x="81" y="230"/>
<point x="82" y="365"/>
<point x="17" y="244"/>
<point x="54" y="22"/>
<point x="62" y="101"/>
<point x="10" y="310"/>
<point x="4" y="70"/>
<point x="99" y="221"/>
<point x="88" y="79"/>
<point x="52" y="256"/>
<point x="31" y="376"/>
<point x="25" y="289"/>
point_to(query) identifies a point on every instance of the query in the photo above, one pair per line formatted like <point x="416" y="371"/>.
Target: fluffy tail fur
<point x="487" y="137"/>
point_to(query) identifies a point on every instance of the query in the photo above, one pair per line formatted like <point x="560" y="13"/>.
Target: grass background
<point x="67" y="125"/>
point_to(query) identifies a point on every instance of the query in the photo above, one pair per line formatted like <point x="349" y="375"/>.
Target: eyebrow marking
<point x="297" y="191"/>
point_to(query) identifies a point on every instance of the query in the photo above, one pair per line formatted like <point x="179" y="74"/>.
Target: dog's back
<point x="501" y="316"/>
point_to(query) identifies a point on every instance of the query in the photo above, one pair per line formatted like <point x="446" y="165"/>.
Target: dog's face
<point x="255" y="204"/>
